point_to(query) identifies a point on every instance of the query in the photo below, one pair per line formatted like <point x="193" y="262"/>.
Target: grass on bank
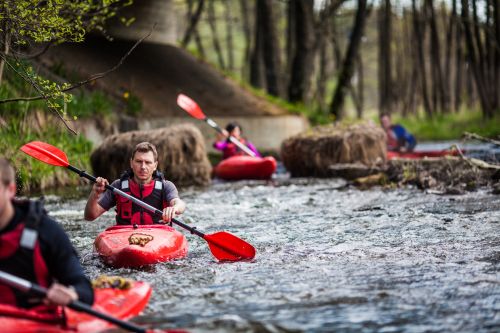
<point x="451" y="126"/>
<point x="25" y="121"/>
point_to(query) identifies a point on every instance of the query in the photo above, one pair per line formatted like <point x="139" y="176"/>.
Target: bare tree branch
<point x="81" y="83"/>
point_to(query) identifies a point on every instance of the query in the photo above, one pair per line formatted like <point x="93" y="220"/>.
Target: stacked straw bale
<point x="182" y="156"/>
<point x="335" y="151"/>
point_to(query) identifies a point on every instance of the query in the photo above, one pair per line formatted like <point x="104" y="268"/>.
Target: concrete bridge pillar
<point x="147" y="13"/>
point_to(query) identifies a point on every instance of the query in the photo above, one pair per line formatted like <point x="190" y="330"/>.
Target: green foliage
<point x="24" y="22"/>
<point x="451" y="126"/>
<point x="89" y="104"/>
<point x="31" y="173"/>
<point x="134" y="105"/>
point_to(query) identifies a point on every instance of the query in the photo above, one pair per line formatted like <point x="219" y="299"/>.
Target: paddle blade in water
<point x="228" y="247"/>
<point x="46" y="153"/>
<point x="190" y="106"/>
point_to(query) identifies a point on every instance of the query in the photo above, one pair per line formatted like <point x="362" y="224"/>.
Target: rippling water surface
<point x="330" y="258"/>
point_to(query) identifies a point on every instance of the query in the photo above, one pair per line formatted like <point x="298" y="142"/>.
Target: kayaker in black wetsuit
<point x="34" y="247"/>
<point x="142" y="181"/>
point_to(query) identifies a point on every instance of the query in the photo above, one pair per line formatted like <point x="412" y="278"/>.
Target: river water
<point x="330" y="258"/>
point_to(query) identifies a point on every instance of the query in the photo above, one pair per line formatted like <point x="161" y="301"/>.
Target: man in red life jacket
<point x="142" y="181"/>
<point x="35" y="248"/>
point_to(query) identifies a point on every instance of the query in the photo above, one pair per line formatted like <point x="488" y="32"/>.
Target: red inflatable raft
<point x="122" y="304"/>
<point x="246" y="167"/>
<point x="421" y="154"/>
<point x="129" y="246"/>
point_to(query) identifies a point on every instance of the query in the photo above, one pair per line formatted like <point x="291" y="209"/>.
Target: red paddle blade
<point x="228" y="247"/>
<point x="190" y="106"/>
<point x="46" y="153"/>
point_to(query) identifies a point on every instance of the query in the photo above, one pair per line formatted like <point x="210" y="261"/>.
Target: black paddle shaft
<point x="93" y="179"/>
<point x="32" y="288"/>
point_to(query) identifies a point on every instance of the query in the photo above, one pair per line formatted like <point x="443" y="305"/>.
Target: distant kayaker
<point x="34" y="247"/>
<point x="142" y="181"/>
<point x="398" y="138"/>
<point x="228" y="148"/>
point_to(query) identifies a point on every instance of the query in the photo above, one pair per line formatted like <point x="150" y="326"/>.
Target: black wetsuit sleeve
<point x="62" y="260"/>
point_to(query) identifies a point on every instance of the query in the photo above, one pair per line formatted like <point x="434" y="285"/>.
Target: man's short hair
<point x="145" y="147"/>
<point x="7" y="173"/>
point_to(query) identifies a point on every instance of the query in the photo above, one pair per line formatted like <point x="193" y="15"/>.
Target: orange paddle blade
<point x="190" y="106"/>
<point x="228" y="247"/>
<point x="46" y="153"/>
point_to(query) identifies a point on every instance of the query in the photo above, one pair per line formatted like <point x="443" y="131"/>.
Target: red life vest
<point x="128" y="212"/>
<point x="20" y="255"/>
<point x="233" y="150"/>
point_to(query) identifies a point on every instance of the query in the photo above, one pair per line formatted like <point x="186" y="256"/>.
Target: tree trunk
<point x="302" y="66"/>
<point x="419" y="41"/>
<point x="257" y="78"/>
<point x="475" y="60"/>
<point x="193" y="21"/>
<point x="358" y="97"/>
<point x="271" y="49"/>
<point x="212" y="21"/>
<point x="5" y="42"/>
<point x="436" y="69"/>
<point x="496" y="14"/>
<point x="336" y="107"/>
<point x="247" y="33"/>
<point x="229" y="36"/>
<point x="384" y="70"/>
<point x="458" y="65"/>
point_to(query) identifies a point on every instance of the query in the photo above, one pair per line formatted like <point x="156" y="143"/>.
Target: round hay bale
<point x="181" y="150"/>
<point x="313" y="153"/>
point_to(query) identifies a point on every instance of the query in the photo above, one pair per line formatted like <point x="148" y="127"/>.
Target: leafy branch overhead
<point x="26" y="25"/>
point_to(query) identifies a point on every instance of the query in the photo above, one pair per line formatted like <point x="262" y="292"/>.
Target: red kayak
<point x="246" y="167"/>
<point x="421" y="154"/>
<point x="129" y="246"/>
<point x="122" y="304"/>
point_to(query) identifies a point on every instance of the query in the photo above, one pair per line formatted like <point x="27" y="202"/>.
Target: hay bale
<point x="313" y="153"/>
<point x="181" y="149"/>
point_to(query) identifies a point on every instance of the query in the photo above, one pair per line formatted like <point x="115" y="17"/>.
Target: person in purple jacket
<point x="228" y="148"/>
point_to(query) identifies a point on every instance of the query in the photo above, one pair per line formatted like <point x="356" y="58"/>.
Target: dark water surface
<point x="329" y="259"/>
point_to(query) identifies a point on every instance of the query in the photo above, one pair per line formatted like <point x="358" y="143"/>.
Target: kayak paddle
<point x="223" y="245"/>
<point x="190" y="106"/>
<point x="29" y="287"/>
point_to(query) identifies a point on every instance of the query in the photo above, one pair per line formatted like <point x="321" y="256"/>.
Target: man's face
<point x="7" y="193"/>
<point x="386" y="122"/>
<point x="143" y="165"/>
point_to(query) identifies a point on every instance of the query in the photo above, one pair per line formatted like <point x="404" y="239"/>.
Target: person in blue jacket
<point x="398" y="138"/>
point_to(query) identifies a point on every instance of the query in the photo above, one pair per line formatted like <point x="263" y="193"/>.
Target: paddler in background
<point x="142" y="181"/>
<point x="398" y="138"/>
<point x="228" y="148"/>
<point x="34" y="247"/>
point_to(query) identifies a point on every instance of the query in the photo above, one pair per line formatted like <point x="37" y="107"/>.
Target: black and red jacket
<point x="20" y="255"/>
<point x="128" y="212"/>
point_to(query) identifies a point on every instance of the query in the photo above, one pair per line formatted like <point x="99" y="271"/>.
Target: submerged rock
<point x="181" y="149"/>
<point x="335" y="151"/>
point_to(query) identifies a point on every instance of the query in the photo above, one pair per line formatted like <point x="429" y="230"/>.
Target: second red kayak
<point x="122" y="304"/>
<point x="421" y="154"/>
<point x="129" y="246"/>
<point x="246" y="167"/>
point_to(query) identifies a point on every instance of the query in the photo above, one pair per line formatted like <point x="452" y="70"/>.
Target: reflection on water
<point x="329" y="258"/>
